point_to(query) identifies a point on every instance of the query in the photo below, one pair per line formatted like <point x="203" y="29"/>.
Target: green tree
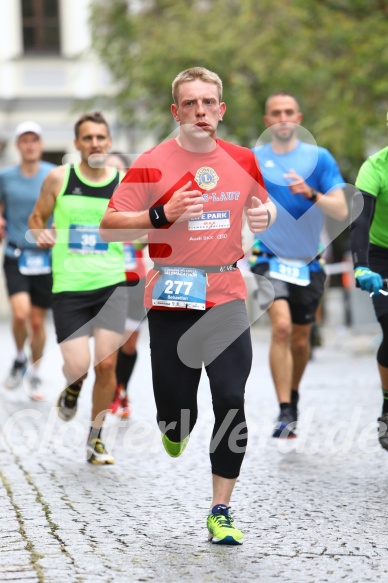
<point x="331" y="54"/>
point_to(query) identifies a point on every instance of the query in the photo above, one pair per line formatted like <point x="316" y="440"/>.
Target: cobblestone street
<point x="312" y="509"/>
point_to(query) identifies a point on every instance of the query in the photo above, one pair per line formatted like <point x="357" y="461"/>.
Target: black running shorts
<point x="38" y="287"/>
<point x="303" y="300"/>
<point x="79" y="313"/>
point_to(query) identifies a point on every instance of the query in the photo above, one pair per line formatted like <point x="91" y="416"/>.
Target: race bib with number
<point x="34" y="261"/>
<point x="290" y="270"/>
<point x="86" y="240"/>
<point x="180" y="287"/>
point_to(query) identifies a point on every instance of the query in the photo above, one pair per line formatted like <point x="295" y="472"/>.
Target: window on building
<point x="41" y="26"/>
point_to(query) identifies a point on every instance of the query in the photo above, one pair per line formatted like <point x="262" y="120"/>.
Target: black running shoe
<point x="383" y="430"/>
<point x="285" y="425"/>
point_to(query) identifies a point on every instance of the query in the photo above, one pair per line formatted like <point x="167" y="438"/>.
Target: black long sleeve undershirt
<point x="359" y="229"/>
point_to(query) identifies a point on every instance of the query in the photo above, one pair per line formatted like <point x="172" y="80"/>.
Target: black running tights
<point x="180" y="342"/>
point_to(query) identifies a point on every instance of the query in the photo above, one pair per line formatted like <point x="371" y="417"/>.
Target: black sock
<point x="72" y="393"/>
<point x="294" y="398"/>
<point x="124" y="367"/>
<point x="94" y="433"/>
<point x="285" y="406"/>
<point x="385" y="401"/>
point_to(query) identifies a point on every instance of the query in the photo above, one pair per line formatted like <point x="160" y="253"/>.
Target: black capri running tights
<point x="219" y="338"/>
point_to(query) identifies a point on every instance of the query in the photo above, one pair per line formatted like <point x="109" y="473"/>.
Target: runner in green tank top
<point x="89" y="294"/>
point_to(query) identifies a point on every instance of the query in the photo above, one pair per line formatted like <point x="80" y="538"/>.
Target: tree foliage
<point x="331" y="54"/>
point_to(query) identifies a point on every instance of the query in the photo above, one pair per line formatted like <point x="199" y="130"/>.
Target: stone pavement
<point x="312" y="509"/>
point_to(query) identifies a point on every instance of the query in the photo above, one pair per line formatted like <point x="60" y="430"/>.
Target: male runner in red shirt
<point x="190" y="193"/>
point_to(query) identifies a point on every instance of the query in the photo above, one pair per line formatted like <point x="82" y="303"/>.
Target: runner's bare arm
<point x="332" y="203"/>
<point x="44" y="208"/>
<point x="117" y="225"/>
<point x="124" y="225"/>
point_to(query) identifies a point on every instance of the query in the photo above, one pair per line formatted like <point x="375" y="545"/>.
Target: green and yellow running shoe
<point x="174" y="448"/>
<point x="67" y="403"/>
<point x="222" y="530"/>
<point x="97" y="454"/>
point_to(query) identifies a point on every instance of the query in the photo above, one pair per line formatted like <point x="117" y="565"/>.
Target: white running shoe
<point x="35" y="388"/>
<point x="15" y="377"/>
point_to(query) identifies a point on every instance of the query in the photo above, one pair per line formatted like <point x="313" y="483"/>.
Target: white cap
<point x="28" y="126"/>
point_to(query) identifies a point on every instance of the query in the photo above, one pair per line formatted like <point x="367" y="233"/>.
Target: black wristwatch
<point x="314" y="195"/>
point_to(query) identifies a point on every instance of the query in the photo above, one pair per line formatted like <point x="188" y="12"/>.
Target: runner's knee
<point x="106" y="366"/>
<point x="301" y="344"/>
<point x="37" y="326"/>
<point x="20" y="318"/>
<point x="281" y="331"/>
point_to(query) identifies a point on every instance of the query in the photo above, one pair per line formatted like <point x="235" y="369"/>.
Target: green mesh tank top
<point x="82" y="261"/>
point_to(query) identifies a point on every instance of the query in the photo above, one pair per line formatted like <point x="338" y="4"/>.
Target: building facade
<point x="49" y="73"/>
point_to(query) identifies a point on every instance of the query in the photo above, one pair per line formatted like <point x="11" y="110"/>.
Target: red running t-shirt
<point x="228" y="177"/>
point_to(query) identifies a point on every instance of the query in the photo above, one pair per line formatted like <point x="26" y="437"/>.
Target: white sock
<point x="21" y="356"/>
<point x="34" y="372"/>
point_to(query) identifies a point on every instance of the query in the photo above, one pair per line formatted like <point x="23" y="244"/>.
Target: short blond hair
<point x="196" y="73"/>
